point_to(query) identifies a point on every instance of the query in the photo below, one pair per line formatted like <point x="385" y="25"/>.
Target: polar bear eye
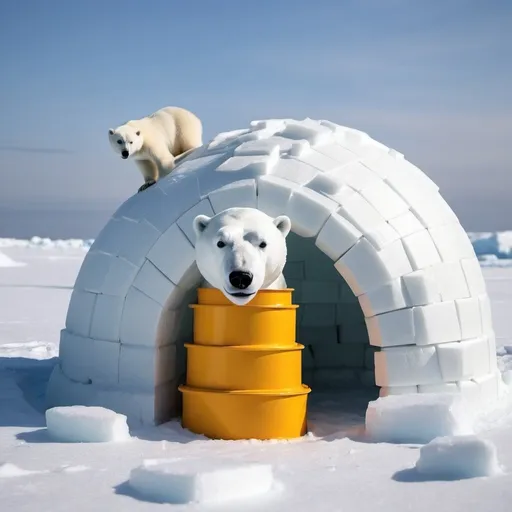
<point x="119" y="141"/>
<point x="221" y="244"/>
<point x="263" y="245"/>
<point x="137" y="133"/>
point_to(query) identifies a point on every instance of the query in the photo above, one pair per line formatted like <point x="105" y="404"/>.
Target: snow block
<point x="249" y="165"/>
<point x="185" y="222"/>
<point x="486" y="314"/>
<point x="452" y="242"/>
<point x="421" y="288"/>
<point x="470" y="320"/>
<point x="80" y="311"/>
<point x="406" y="224"/>
<point x="337" y="236"/>
<point x="140" y="319"/>
<point x="384" y="299"/>
<point x="421" y="250"/>
<point x="118" y="236"/>
<point x="107" y="317"/>
<point x="436" y="323"/>
<point x="172" y="254"/>
<point x="385" y="200"/>
<point x="445" y="387"/>
<point x="417" y="418"/>
<point x="274" y="194"/>
<point x="360" y="213"/>
<point x="474" y="277"/>
<point x="358" y="176"/>
<point x="407" y="366"/>
<point x="391" y="329"/>
<point x="464" y="360"/>
<point x="200" y="480"/>
<point x="93" y="272"/>
<point x="144" y="368"/>
<point x="382" y="235"/>
<point x="458" y="457"/>
<point x="239" y="194"/>
<point x="81" y="424"/>
<point x="338" y="153"/>
<point x="259" y="147"/>
<point x="151" y="282"/>
<point x="450" y="280"/>
<point x="320" y="161"/>
<point x="293" y="170"/>
<point x="89" y="360"/>
<point x="308" y="211"/>
<point x="314" y="133"/>
<point x="365" y="269"/>
<point x="172" y="195"/>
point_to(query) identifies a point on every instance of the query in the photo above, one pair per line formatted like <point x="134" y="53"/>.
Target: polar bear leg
<point x="148" y="169"/>
<point x="164" y="161"/>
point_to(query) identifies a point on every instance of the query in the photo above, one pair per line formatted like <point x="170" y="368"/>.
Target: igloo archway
<point x="383" y="271"/>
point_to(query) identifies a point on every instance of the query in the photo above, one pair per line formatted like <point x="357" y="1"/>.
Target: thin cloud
<point x="31" y="150"/>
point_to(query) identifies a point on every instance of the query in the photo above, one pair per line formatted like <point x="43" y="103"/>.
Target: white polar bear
<point x="157" y="140"/>
<point x="240" y="251"/>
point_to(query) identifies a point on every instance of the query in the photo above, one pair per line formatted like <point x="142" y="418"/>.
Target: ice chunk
<point x="456" y="457"/>
<point x="417" y="418"/>
<point x="200" y="480"/>
<point x="82" y="424"/>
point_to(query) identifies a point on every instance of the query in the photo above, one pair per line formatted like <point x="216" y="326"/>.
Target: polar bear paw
<point x="146" y="185"/>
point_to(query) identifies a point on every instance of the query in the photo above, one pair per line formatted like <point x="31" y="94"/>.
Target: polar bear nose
<point x="240" y="279"/>
<point x="125" y="154"/>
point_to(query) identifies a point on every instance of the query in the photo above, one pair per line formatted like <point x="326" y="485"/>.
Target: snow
<point x="335" y="467"/>
<point x="417" y="418"/>
<point x="456" y="457"/>
<point x="200" y="480"/>
<point x="81" y="424"/>
<point x="5" y="261"/>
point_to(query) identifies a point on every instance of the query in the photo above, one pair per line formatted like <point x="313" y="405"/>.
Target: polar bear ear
<point x="283" y="224"/>
<point x="111" y="131"/>
<point x="200" y="223"/>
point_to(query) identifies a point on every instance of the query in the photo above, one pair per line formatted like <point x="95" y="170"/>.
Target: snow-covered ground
<point x="334" y="468"/>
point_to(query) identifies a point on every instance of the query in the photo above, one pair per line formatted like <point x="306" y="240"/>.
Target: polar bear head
<point x="125" y="140"/>
<point x="240" y="251"/>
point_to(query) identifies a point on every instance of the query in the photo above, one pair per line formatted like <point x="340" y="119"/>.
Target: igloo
<point x="390" y="291"/>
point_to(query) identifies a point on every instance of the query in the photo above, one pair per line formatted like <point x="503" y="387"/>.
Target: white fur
<point x="242" y="231"/>
<point x="156" y="140"/>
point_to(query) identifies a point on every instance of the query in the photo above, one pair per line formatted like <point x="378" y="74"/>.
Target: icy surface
<point x="456" y="457"/>
<point x="417" y="418"/>
<point x="333" y="468"/>
<point x="5" y="261"/>
<point x="200" y="480"/>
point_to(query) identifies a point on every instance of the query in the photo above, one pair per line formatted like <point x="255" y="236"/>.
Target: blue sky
<point x="433" y="79"/>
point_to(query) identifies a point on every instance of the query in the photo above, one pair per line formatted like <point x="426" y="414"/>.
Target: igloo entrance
<point x="330" y="324"/>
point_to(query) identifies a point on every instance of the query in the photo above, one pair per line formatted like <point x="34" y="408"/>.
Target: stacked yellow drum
<point x="244" y="377"/>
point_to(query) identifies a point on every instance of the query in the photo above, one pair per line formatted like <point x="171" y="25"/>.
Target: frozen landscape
<point x="335" y="467"/>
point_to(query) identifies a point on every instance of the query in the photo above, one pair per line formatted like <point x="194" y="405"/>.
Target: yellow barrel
<point x="262" y="298"/>
<point x="245" y="414"/>
<point x="244" y="367"/>
<point x="244" y="325"/>
<point x="244" y="375"/>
